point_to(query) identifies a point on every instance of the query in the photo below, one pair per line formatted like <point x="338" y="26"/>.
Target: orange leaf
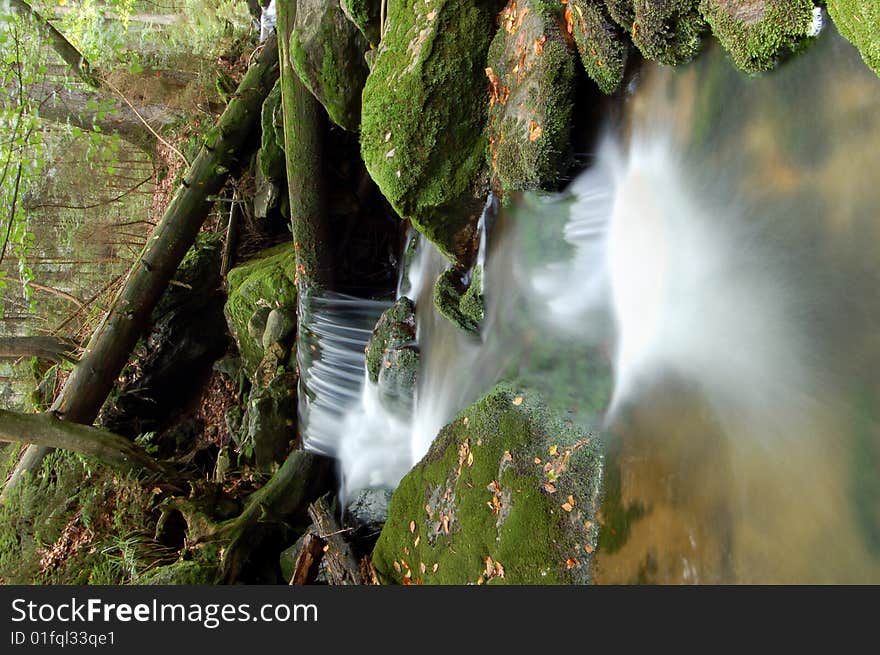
<point x="412" y="526"/>
<point x="571" y="562"/>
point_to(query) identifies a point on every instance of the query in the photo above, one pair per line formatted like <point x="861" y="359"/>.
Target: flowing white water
<point x="723" y="251"/>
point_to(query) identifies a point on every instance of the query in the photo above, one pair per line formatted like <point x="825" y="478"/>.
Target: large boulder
<point x="758" y="33"/>
<point x="255" y="289"/>
<point x="424" y="114"/>
<point x="531" y="71"/>
<point x="602" y="46"/>
<point x="859" y="21"/>
<point x="507" y="494"/>
<point x="327" y="52"/>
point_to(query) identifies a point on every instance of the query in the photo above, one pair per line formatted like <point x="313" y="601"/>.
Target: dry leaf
<point x="535" y="130"/>
<point x="397" y="566"/>
<point x="518" y="400"/>
<point x="566" y="506"/>
<point x="553" y="450"/>
<point x="435" y="567"/>
<point x="412" y="526"/>
<point x="494" y="487"/>
<point x="507" y="457"/>
<point x="537" y="460"/>
<point x="416" y="542"/>
<point x="588" y="548"/>
<point x="571" y="562"/>
<point x="550" y="488"/>
<point x="422" y="567"/>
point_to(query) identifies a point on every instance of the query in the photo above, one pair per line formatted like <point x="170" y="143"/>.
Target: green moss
<point x="859" y="21"/>
<point x="365" y="14"/>
<point x="266" y="281"/>
<point x="395" y="328"/>
<point x="424" y="114"/>
<point x="271" y="155"/>
<point x="482" y="495"/>
<point x="668" y="31"/>
<point x="531" y="76"/>
<point x="326" y="51"/>
<point x="759" y="33"/>
<point x="460" y="301"/>
<point x="180" y="573"/>
<point x="602" y="47"/>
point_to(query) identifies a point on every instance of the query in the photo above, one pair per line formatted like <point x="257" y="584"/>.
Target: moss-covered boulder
<point x="393" y="356"/>
<point x="758" y="33"/>
<point x="266" y="282"/>
<point x="271" y="155"/>
<point x="424" y="114"/>
<point x="859" y="21"/>
<point x="271" y="413"/>
<point x="531" y="71"/>
<point x="668" y="31"/>
<point x="365" y="14"/>
<point x="507" y="495"/>
<point x="327" y="52"/>
<point x="458" y="296"/>
<point x="602" y="46"/>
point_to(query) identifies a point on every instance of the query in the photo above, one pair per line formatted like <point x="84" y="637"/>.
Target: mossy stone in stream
<point x="327" y="52"/>
<point x="460" y="300"/>
<point x="531" y="71"/>
<point x="266" y="282"/>
<point x="507" y="494"/>
<point x="393" y="356"/>
<point x="859" y="21"/>
<point x="424" y="114"/>
<point x="758" y="33"/>
<point x="668" y="31"/>
<point x="600" y="43"/>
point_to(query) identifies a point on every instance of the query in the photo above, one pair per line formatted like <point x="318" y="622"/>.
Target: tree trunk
<point x="110" y="346"/>
<point x="65" y="49"/>
<point x="87" y="110"/>
<point x="54" y="349"/>
<point x="342" y="566"/>
<point x="48" y="431"/>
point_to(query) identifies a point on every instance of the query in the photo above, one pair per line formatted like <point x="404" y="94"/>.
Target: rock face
<point x="506" y="495"/>
<point x="255" y="289"/>
<point x="531" y="71"/>
<point x="600" y="43"/>
<point x="758" y="33"/>
<point x="327" y="52"/>
<point x="393" y="356"/>
<point x="424" y="113"/>
<point x="366" y="15"/>
<point x="859" y="21"/>
<point x="668" y="31"/>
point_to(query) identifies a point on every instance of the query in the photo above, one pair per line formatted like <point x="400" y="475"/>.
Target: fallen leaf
<point x="406" y="550"/>
<point x="553" y="450"/>
<point x="588" y="548"/>
<point x="535" y="130"/>
<point x="435" y="567"/>
<point x="416" y="542"/>
<point x="550" y="488"/>
<point x="588" y="525"/>
<point x="494" y="487"/>
<point x="422" y="567"/>
<point x="470" y="460"/>
<point x="517" y="401"/>
<point x="396" y="566"/>
<point x="567" y="506"/>
<point x="507" y="457"/>
<point x="537" y="460"/>
<point x="412" y="526"/>
<point x="571" y="562"/>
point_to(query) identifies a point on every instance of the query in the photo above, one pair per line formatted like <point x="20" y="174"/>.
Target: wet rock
<point x="859" y="21"/>
<point x="531" y="72"/>
<point x="758" y="33"/>
<point x="233" y="418"/>
<point x="602" y="46"/>
<point x="271" y="429"/>
<point x="365" y="14"/>
<point x="327" y="53"/>
<point x="280" y="327"/>
<point x="393" y="357"/>
<point x="668" y="31"/>
<point x="265" y="282"/>
<point x="366" y="515"/>
<point x="507" y="494"/>
<point x="256" y="325"/>
<point x="424" y="113"/>
<point x="459" y="298"/>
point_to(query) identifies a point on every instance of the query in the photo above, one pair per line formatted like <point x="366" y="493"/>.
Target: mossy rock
<point x="602" y="46"/>
<point x="180" y="573"/>
<point x="531" y="71"/>
<point x="365" y="14"/>
<point x="668" y="31"/>
<point x="460" y="299"/>
<point x="271" y="156"/>
<point x="507" y="494"/>
<point x="264" y="282"/>
<point x="393" y="357"/>
<point x="859" y="21"/>
<point x="424" y="114"/>
<point x="327" y="52"/>
<point x="272" y="413"/>
<point x="759" y="33"/>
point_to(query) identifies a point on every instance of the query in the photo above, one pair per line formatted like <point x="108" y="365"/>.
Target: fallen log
<point x="342" y="566"/>
<point x="47" y="430"/>
<point x="53" y="349"/>
<point x="110" y="346"/>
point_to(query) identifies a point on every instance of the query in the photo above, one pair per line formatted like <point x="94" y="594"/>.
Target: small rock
<point x="280" y="327"/>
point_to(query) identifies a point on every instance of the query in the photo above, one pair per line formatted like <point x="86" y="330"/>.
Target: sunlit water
<point x="705" y="297"/>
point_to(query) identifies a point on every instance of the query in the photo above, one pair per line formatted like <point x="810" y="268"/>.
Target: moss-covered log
<point x="49" y="431"/>
<point x="111" y="344"/>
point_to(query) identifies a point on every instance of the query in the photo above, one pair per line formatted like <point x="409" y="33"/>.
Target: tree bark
<point x="342" y="566"/>
<point x="65" y="49"/>
<point x="48" y="431"/>
<point x="54" y="349"/>
<point x="110" y="346"/>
